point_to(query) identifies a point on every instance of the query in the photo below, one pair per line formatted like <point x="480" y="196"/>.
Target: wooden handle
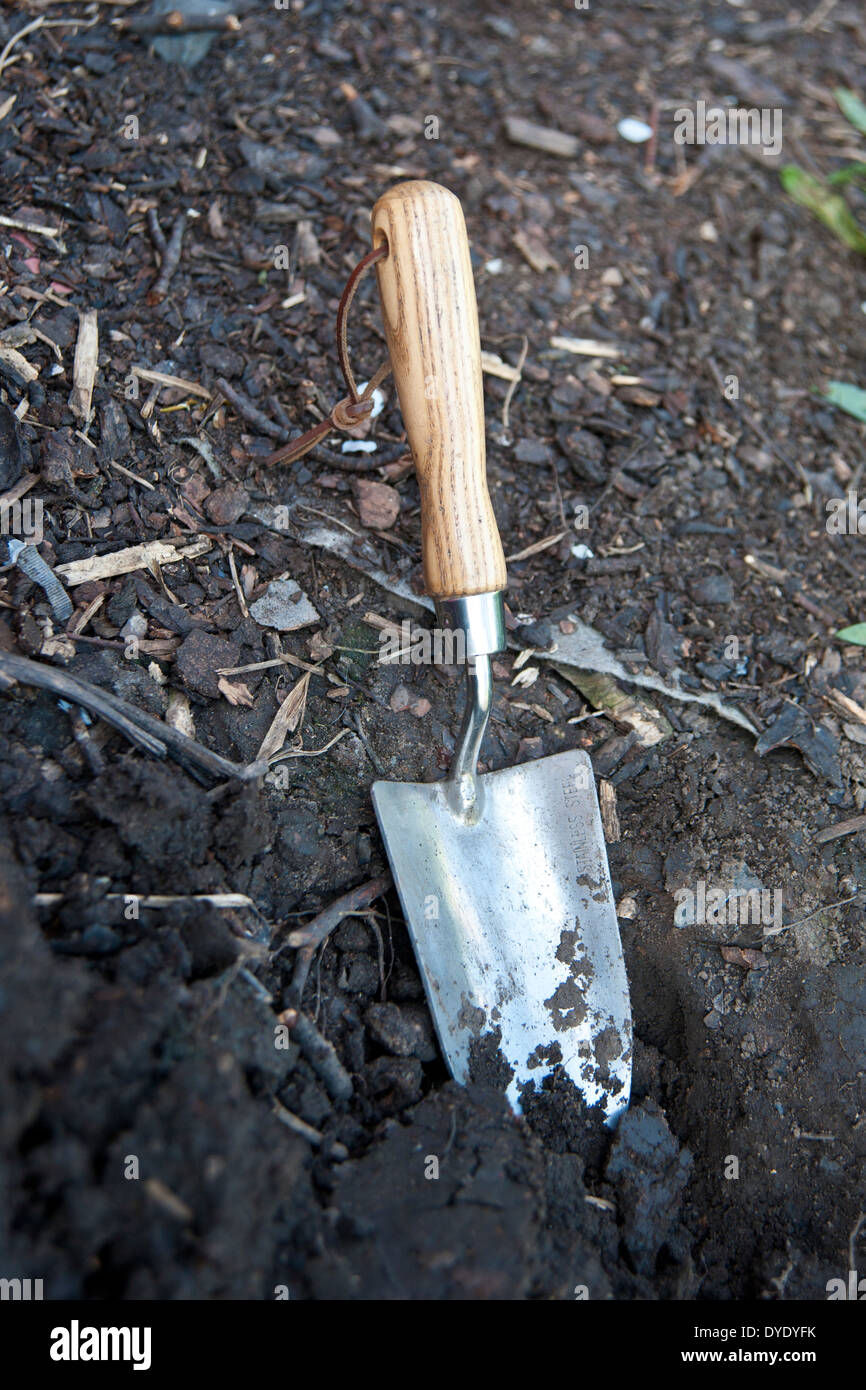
<point x="431" y="324"/>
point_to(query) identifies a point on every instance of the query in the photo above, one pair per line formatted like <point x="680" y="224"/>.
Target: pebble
<point x="378" y="399"/>
<point x="358" y="446"/>
<point x="135" y="625"/>
<point x="378" y="503"/>
<point x="532" y="451"/>
<point x="713" y="589"/>
<point x="284" y="607"/>
<point x="401" y="698"/>
<point x="187" y="49"/>
<point x="635" y="131"/>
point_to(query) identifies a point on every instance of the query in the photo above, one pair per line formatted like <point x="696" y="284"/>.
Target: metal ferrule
<point x="481" y="618"/>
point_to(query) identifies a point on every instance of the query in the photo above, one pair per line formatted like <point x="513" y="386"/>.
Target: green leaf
<point x="849" y="398"/>
<point x="830" y="207"/>
<point x="854" y="634"/>
<point x="850" y="171"/>
<point x="852" y="108"/>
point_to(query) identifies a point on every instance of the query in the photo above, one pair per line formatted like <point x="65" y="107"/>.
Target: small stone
<point x="498" y="24"/>
<point x="135" y="625"/>
<point x="532" y="451"/>
<point x="227" y="504"/>
<point x="746" y="957"/>
<point x="612" y="276"/>
<point x="401" y="698"/>
<point x="713" y="589"/>
<point x="598" y="383"/>
<point x="636" y="132"/>
<point x="378" y="503"/>
<point x="420" y="708"/>
<point x="358" y="446"/>
<point x="187" y="49"/>
<point x="284" y="607"/>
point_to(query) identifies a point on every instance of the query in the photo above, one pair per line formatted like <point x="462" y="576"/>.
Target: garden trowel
<point x="503" y="877"/>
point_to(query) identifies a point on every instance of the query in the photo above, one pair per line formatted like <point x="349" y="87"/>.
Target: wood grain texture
<point x="431" y="325"/>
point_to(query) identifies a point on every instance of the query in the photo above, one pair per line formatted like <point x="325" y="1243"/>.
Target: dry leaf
<point x="526" y="677"/>
<point x="534" y="251"/>
<point x="286" y="720"/>
<point x="236" y="694"/>
<point x="745" y="956"/>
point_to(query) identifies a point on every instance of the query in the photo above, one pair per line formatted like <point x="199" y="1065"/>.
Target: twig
<point x="251" y="413"/>
<point x="140" y="728"/>
<point x="158" y="900"/>
<point x="843" y="701"/>
<point x="811" y="22"/>
<point x="537" y="546"/>
<point x="312" y="1136"/>
<point x="176" y="23"/>
<point x="128" y="473"/>
<point x="170" y="261"/>
<point x="22" y="34"/>
<point x="512" y="386"/>
<point x="242" y="601"/>
<point x="157" y="235"/>
<point x="309" y="938"/>
<point x="852" y="1239"/>
<point x="588" y="347"/>
<point x="177" y="383"/>
<point x="85" y="365"/>
<point x="51" y="233"/>
<point x="310" y="752"/>
<point x="825" y="907"/>
<point x="322" y="1057"/>
<point x="840" y="830"/>
<point x="650" y="157"/>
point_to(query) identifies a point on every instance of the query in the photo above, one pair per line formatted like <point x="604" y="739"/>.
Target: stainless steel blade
<point x="513" y="922"/>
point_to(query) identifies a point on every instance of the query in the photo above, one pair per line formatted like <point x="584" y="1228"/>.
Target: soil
<point x="144" y="1083"/>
